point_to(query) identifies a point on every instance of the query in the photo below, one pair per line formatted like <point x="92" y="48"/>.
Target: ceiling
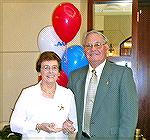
<point x="113" y="8"/>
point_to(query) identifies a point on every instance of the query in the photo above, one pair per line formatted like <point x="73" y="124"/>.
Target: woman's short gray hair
<point x="94" y="32"/>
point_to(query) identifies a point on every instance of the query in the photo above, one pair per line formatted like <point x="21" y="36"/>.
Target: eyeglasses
<point x="96" y="45"/>
<point x="48" y="68"/>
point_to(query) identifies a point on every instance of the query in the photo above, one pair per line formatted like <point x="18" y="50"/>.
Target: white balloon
<point x="48" y="40"/>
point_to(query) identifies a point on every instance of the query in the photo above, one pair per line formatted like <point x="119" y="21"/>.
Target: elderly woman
<point x="42" y="109"/>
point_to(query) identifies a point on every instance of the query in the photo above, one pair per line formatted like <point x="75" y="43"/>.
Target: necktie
<point x="90" y="101"/>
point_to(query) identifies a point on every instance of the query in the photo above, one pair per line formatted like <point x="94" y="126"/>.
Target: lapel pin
<point x="61" y="107"/>
<point x="107" y="82"/>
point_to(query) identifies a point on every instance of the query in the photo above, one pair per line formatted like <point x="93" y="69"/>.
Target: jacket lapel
<point x="102" y="89"/>
<point x="80" y="90"/>
<point x="80" y="84"/>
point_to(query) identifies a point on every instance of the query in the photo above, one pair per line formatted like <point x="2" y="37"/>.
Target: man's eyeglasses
<point x="96" y="45"/>
<point x="48" y="68"/>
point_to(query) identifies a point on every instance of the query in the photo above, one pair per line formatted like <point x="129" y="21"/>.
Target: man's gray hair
<point x="95" y="32"/>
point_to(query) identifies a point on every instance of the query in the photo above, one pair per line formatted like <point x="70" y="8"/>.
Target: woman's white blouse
<point x="32" y="108"/>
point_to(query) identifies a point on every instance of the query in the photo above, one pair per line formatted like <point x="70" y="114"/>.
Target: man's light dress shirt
<point x="32" y="108"/>
<point x="89" y="75"/>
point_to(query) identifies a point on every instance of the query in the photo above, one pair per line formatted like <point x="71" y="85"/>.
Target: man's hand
<point x="68" y="127"/>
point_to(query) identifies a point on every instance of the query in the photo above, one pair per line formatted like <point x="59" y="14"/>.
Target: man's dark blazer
<point x="115" y="110"/>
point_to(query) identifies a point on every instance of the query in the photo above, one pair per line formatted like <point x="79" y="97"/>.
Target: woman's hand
<point x="48" y="127"/>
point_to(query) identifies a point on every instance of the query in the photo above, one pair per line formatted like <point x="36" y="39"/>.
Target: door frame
<point x="135" y="18"/>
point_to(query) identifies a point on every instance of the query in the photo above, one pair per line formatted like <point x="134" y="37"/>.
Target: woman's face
<point x="49" y="71"/>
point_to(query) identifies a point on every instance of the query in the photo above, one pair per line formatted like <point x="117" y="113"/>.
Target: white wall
<point x="117" y="28"/>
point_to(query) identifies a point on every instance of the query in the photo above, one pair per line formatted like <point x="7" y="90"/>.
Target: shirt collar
<point x="97" y="69"/>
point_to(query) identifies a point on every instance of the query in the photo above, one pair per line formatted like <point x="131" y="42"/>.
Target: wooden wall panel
<point x="143" y="74"/>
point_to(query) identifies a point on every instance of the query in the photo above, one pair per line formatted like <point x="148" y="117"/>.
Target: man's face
<point x="95" y="49"/>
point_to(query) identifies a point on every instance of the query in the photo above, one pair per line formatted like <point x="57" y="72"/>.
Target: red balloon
<point x="66" y="20"/>
<point x="62" y="79"/>
<point x="39" y="78"/>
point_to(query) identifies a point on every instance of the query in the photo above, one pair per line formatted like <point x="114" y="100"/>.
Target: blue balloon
<point x="73" y="59"/>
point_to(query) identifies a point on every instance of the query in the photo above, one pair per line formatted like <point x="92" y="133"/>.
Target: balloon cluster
<point x="66" y="22"/>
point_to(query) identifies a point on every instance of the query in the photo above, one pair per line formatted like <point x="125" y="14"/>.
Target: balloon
<point x="48" y="40"/>
<point x="62" y="79"/>
<point x="66" y="20"/>
<point x="39" y="78"/>
<point x="73" y="59"/>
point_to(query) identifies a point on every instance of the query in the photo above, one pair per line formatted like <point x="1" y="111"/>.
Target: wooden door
<point x="143" y="73"/>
